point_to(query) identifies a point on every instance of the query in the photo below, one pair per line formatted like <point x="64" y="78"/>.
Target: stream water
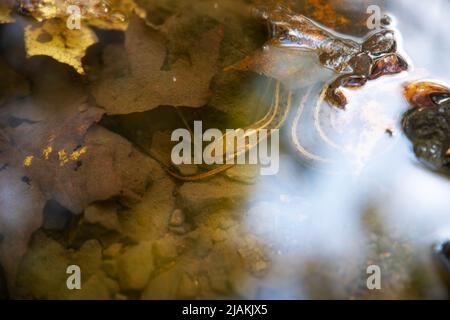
<point x="353" y="199"/>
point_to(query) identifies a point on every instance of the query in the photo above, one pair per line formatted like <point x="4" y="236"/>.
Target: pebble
<point x="188" y="287"/>
<point x="110" y="268"/>
<point x="164" y="286"/>
<point x="164" y="251"/>
<point x="104" y="215"/>
<point x="135" y="266"/>
<point x="218" y="235"/>
<point x="179" y="230"/>
<point x="177" y="218"/>
<point x="113" y="250"/>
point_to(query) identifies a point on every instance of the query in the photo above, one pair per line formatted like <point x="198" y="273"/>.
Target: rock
<point x="256" y="262"/>
<point x="177" y="218"/>
<point x="104" y="214"/>
<point x="427" y="124"/>
<point x="220" y="262"/>
<point x="164" y="250"/>
<point x="42" y="273"/>
<point x="164" y="286"/>
<point x="89" y="258"/>
<point x="227" y="224"/>
<point x="244" y="173"/>
<point x="148" y="220"/>
<point x="188" y="287"/>
<point x="113" y="250"/>
<point x="441" y="254"/>
<point x="135" y="266"/>
<point x="120" y="297"/>
<point x="95" y="288"/>
<point x="243" y="285"/>
<point x="218" y="235"/>
<point x="201" y="243"/>
<point x="179" y="230"/>
<point x="111" y="284"/>
<point x="110" y="268"/>
<point x="218" y="280"/>
<point x="198" y="196"/>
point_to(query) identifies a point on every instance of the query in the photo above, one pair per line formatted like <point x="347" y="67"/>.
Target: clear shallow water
<point x="318" y="226"/>
<point x="376" y="195"/>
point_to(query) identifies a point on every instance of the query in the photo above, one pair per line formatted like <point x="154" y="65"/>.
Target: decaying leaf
<point x="5" y="11"/>
<point x="294" y="70"/>
<point x="12" y="84"/>
<point x="21" y="206"/>
<point x="111" y="14"/>
<point x="52" y="149"/>
<point x="52" y="38"/>
<point x="146" y="83"/>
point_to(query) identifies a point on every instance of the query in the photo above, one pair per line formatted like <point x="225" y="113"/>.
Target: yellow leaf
<point x="52" y="38"/>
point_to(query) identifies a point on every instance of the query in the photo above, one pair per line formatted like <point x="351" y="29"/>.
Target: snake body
<point x="273" y="119"/>
<point x="354" y="63"/>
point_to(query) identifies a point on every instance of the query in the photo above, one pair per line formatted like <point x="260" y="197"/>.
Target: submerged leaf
<point x="294" y="70"/>
<point x="144" y="83"/>
<point x="21" y="206"/>
<point x="51" y="149"/>
<point x="52" y="38"/>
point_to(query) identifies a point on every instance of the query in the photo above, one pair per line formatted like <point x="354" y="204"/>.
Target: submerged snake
<point x="274" y="119"/>
<point x="354" y="63"/>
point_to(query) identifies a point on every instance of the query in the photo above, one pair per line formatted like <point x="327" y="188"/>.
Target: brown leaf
<point x="144" y="84"/>
<point x="52" y="149"/>
<point x="12" y="84"/>
<point x="72" y="161"/>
